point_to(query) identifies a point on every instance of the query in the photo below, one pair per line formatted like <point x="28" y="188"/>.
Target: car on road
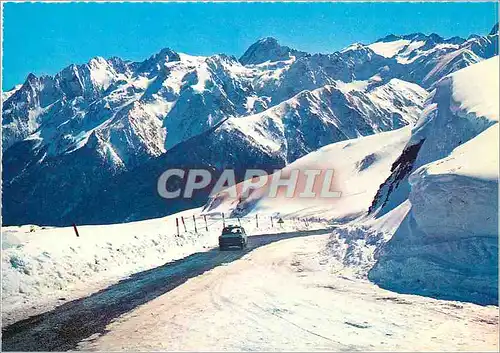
<point x="233" y="236"/>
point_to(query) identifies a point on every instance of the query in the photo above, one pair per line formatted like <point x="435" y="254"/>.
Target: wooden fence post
<point x="257" y="220"/>
<point x="272" y="224"/>
<point x="183" y="223"/>
<point x="76" y="230"/>
<point x="194" y="221"/>
<point x="206" y="225"/>
<point x="223" y="220"/>
<point x="177" y="225"/>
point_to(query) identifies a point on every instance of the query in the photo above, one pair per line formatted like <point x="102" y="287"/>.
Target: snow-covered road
<point x="66" y="325"/>
<point x="282" y="296"/>
<point x="286" y="297"/>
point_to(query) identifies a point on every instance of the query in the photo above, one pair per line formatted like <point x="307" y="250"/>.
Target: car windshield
<point x="231" y="230"/>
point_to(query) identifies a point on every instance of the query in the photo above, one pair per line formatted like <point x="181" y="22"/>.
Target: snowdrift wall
<point x="447" y="245"/>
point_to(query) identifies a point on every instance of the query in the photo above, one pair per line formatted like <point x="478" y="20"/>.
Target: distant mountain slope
<point x="425" y="59"/>
<point x="267" y="140"/>
<point x="313" y="119"/>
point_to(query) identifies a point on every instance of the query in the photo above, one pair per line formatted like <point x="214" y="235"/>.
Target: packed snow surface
<point x="288" y="296"/>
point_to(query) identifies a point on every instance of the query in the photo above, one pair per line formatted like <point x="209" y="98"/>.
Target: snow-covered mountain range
<point x="88" y="144"/>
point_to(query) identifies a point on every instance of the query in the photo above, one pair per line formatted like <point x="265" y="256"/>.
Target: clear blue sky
<point x="44" y="38"/>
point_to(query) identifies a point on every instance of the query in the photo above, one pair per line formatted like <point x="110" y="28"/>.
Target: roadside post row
<point x="279" y="221"/>
<point x="205" y="224"/>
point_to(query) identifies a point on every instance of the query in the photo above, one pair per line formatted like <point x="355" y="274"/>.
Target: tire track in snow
<point x="296" y="325"/>
<point x="65" y="326"/>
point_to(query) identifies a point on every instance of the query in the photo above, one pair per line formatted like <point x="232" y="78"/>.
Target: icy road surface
<point x="283" y="296"/>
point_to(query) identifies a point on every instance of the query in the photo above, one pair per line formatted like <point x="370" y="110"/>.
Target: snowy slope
<point x="446" y="245"/>
<point x="390" y="49"/>
<point x="329" y="114"/>
<point x="463" y="105"/>
<point x="360" y="165"/>
<point x="6" y="94"/>
<point x="476" y="159"/>
<point x="478" y="96"/>
<point x="425" y="59"/>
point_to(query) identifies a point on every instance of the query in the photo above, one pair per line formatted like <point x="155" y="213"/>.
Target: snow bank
<point x="354" y="246"/>
<point x="463" y="105"/>
<point x="447" y="245"/>
<point x="43" y="266"/>
<point x="41" y="263"/>
<point x="461" y="190"/>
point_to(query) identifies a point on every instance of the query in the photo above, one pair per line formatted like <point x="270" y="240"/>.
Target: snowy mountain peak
<point x="418" y="36"/>
<point x="388" y="38"/>
<point x="268" y="40"/>
<point x="98" y="60"/>
<point x="494" y="30"/>
<point x="435" y="37"/>
<point x="31" y="77"/>
<point x="402" y="47"/>
<point x="353" y="47"/>
<point x="167" y="54"/>
<point x="156" y="62"/>
<point x="268" y="49"/>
